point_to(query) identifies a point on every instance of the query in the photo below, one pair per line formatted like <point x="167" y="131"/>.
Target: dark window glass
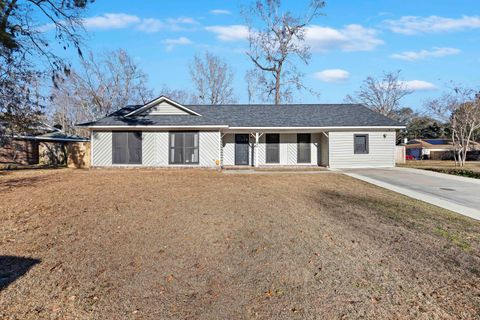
<point x="360" y="143"/>
<point x="303" y="148"/>
<point x="127" y="147"/>
<point x="273" y="148"/>
<point x="183" y="148"/>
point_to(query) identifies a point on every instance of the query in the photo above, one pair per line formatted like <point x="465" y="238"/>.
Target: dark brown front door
<point x="241" y="149"/>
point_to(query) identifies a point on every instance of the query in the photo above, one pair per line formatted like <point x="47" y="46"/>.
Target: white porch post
<point x="257" y="138"/>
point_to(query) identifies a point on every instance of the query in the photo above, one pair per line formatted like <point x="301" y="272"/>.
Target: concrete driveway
<point x="458" y="194"/>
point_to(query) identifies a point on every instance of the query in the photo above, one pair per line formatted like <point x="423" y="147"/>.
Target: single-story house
<point x="165" y="133"/>
<point x="47" y="146"/>
<point x="435" y="149"/>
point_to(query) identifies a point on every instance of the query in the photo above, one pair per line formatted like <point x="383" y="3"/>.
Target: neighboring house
<point x="434" y="149"/>
<point x="48" y="148"/>
<point x="164" y="133"/>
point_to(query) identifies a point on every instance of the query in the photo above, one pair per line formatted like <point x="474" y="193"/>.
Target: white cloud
<point x="123" y="20"/>
<point x="436" y="52"/>
<point x="419" y="85"/>
<point x="332" y="75"/>
<point x="220" y="11"/>
<point x="182" y="23"/>
<point x="229" y="33"/>
<point x="182" y="20"/>
<point x="150" y="25"/>
<point x="110" y="21"/>
<point x="352" y="37"/>
<point x="410" y="25"/>
<point x="172" y="43"/>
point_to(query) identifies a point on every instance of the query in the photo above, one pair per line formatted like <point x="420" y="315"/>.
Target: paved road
<point x="455" y="193"/>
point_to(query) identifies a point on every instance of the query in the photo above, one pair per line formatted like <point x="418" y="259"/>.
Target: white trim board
<point x="319" y="128"/>
<point x="155" y="127"/>
<point x="159" y="100"/>
<point x="293" y="129"/>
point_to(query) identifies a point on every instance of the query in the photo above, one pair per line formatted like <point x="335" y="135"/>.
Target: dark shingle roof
<point x="292" y="115"/>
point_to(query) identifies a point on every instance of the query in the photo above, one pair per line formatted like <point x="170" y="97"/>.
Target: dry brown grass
<point x="193" y="244"/>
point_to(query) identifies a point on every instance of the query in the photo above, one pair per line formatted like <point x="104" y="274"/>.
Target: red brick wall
<point x="19" y="152"/>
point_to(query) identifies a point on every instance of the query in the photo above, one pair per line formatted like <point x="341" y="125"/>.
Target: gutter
<point x="51" y="139"/>
<point x="246" y="128"/>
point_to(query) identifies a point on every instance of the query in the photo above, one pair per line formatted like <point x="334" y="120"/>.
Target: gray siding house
<point x="164" y="133"/>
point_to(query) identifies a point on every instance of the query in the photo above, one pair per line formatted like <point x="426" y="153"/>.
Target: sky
<point x="433" y="42"/>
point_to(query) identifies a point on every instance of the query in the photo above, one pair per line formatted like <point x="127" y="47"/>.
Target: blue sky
<point x="433" y="42"/>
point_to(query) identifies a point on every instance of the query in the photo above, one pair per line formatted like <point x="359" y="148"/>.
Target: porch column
<point x="255" y="151"/>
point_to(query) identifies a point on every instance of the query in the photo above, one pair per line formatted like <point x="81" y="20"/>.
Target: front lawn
<point x="198" y="244"/>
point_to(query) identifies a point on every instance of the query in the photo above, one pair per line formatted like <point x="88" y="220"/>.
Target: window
<point x="273" y="148"/>
<point x="360" y="144"/>
<point x="127" y="147"/>
<point x="303" y="148"/>
<point x="183" y="148"/>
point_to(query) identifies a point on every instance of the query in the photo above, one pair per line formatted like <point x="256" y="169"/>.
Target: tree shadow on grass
<point x="23" y="182"/>
<point x="12" y="268"/>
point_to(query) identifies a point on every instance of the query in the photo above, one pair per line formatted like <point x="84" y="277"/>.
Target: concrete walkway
<point x="458" y="194"/>
<point x="253" y="171"/>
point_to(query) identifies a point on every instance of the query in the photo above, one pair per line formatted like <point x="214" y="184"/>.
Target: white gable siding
<point x="288" y="148"/>
<point x="228" y="155"/>
<point x="381" y="150"/>
<point x="209" y="145"/>
<point x="101" y="148"/>
<point x="148" y="149"/>
<point x="262" y="151"/>
<point x="165" y="108"/>
<point x="161" y="151"/>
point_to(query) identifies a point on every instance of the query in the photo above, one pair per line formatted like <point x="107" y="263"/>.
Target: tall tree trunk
<point x="278" y="96"/>
<point x="454" y="149"/>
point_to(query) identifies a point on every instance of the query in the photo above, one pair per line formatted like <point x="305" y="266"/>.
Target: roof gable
<point x="162" y="106"/>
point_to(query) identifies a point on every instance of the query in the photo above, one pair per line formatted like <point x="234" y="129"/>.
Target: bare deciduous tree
<point x="179" y="95"/>
<point x="23" y="22"/>
<point x="26" y="55"/>
<point x="99" y="88"/>
<point x="21" y="103"/>
<point x="212" y="78"/>
<point x="461" y="109"/>
<point x="382" y="95"/>
<point x="251" y="85"/>
<point x="276" y="40"/>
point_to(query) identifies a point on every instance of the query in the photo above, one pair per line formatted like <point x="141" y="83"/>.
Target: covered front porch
<point x="274" y="148"/>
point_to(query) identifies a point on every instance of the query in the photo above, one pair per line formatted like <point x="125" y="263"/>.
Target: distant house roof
<point x="435" y="144"/>
<point x="36" y="128"/>
<point x="252" y="116"/>
<point x="55" y="136"/>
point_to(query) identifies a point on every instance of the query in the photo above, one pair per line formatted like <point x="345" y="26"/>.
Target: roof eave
<point x="239" y="128"/>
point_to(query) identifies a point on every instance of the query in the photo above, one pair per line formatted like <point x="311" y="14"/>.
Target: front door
<point x="241" y="149"/>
